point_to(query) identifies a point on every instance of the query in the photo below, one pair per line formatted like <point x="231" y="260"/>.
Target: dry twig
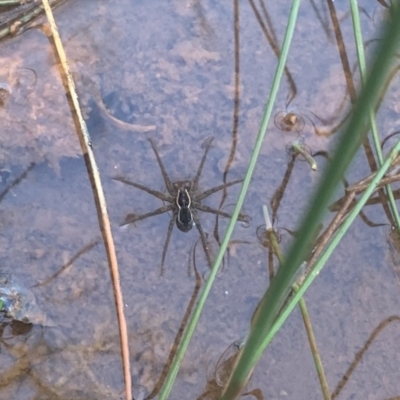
<point x="104" y="221"/>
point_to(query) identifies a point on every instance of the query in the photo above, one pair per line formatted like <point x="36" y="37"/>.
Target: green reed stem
<point x="304" y="313"/>
<point x="362" y="65"/>
<point x="350" y="139"/>
<point x="332" y="245"/>
<point x="164" y="393"/>
<point x="297" y="148"/>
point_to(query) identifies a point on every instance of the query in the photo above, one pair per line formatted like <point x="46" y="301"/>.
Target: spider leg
<point x="215" y="189"/>
<point x="165" y="248"/>
<point x="197" y="177"/>
<point x="202" y="237"/>
<point x="155" y="193"/>
<point x="203" y="207"/>
<point x="131" y="218"/>
<point x="167" y="180"/>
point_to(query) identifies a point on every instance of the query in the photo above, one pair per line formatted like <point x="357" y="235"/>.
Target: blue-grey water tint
<point x="166" y="71"/>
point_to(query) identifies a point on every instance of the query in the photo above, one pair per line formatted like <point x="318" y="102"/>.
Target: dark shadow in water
<point x="205" y="25"/>
<point x="360" y="354"/>
<point x="12" y="329"/>
<point x="383" y="3"/>
<point x="323" y="18"/>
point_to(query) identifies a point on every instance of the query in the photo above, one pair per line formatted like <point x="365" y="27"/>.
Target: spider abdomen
<point x="184" y="218"/>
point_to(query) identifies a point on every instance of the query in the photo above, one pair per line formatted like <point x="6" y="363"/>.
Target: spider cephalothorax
<point x="183" y="200"/>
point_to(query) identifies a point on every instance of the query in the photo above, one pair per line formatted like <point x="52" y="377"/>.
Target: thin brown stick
<point x="104" y="221"/>
<point x="360" y="354"/>
<point x="361" y="186"/>
<point x="336" y="222"/>
<point x="83" y="250"/>
<point x="304" y="312"/>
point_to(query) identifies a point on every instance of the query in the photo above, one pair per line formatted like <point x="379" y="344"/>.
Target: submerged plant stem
<point x="304" y="313"/>
<point x="246" y="360"/>
<point x="257" y="147"/>
<point x="100" y="200"/>
<point x="313" y="345"/>
<point x="361" y="62"/>
<point x="264" y="319"/>
<point x="297" y="148"/>
<point x="25" y="17"/>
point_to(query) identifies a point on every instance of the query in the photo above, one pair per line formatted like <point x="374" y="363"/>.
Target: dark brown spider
<point x="184" y="199"/>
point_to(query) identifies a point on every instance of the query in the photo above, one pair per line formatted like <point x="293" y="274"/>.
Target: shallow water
<point x="168" y="69"/>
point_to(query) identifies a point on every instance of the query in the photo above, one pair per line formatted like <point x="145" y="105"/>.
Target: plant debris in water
<point x="19" y="303"/>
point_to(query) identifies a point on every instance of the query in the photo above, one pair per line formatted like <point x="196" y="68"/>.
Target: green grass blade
<point x="166" y="389"/>
<point x="350" y="140"/>
<point x="361" y="62"/>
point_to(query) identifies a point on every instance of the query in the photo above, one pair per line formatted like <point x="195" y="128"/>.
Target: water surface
<point x="178" y="72"/>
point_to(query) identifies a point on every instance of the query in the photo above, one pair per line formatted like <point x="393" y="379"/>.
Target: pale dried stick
<point x="104" y="221"/>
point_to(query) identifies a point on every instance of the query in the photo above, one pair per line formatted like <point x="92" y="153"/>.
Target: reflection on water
<point x="45" y="362"/>
<point x="179" y="72"/>
<point x="36" y="125"/>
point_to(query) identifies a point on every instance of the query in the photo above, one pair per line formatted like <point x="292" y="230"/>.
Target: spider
<point x="184" y="200"/>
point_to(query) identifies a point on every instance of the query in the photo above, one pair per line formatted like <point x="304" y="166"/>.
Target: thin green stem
<point x="362" y="65"/>
<point x="166" y="389"/>
<point x="238" y="380"/>
<point x="315" y="270"/>
<point x="304" y="313"/>
<point x="297" y="147"/>
<point x="350" y="139"/>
